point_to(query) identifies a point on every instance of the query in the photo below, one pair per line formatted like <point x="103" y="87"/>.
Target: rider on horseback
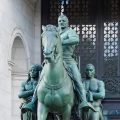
<point x="69" y="39"/>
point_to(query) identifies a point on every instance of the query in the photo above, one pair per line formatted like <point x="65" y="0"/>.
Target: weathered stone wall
<point x="17" y="18"/>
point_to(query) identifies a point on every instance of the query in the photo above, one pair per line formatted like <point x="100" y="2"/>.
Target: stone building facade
<point x="19" y="48"/>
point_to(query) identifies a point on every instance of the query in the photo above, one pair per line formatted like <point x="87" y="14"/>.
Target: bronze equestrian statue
<point x="55" y="91"/>
<point x="58" y="47"/>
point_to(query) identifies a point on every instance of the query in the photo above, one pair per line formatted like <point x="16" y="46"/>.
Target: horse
<point x="55" y="91"/>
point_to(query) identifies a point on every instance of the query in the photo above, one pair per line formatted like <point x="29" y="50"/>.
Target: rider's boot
<point x="84" y="104"/>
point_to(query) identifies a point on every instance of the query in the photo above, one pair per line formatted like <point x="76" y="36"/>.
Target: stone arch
<point x="18" y="54"/>
<point x="17" y="32"/>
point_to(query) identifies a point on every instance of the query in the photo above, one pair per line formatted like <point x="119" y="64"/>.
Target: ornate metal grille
<point x="110" y="48"/>
<point x="55" y="10"/>
<point x="111" y="13"/>
<point x="73" y="11"/>
<point x="88" y="46"/>
<point x="76" y="28"/>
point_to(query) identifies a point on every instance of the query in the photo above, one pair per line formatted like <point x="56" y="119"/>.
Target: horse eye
<point x="56" y="48"/>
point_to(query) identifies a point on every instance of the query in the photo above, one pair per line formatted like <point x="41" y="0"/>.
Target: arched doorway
<point x="19" y="74"/>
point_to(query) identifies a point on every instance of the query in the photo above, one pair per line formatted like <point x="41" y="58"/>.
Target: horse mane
<point x="50" y="28"/>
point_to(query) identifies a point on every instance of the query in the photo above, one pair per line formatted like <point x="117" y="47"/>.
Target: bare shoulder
<point x="100" y="82"/>
<point x="72" y="33"/>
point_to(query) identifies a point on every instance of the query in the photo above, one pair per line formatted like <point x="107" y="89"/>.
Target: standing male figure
<point x="95" y="92"/>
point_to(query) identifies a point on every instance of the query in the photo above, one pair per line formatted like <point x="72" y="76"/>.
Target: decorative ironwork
<point x="62" y="2"/>
<point x="85" y="11"/>
<point x="81" y="11"/>
<point x="76" y="28"/>
<point x="112" y="114"/>
<point x="111" y="55"/>
<point x="110" y="48"/>
<point x="111" y="10"/>
<point x="112" y="85"/>
<point x="73" y="11"/>
<point x="55" y="10"/>
<point x="88" y="46"/>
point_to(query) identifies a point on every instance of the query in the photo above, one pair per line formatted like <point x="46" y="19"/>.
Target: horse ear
<point x="43" y="28"/>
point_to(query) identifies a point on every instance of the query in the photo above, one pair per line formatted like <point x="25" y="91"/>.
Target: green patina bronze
<point x="95" y="92"/>
<point x="26" y="92"/>
<point x="70" y="39"/>
<point x="55" y="92"/>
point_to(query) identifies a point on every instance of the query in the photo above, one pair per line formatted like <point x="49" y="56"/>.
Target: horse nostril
<point x="47" y="52"/>
<point x="51" y="52"/>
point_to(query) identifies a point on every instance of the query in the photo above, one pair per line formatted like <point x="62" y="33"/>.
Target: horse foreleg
<point x="67" y="113"/>
<point x="42" y="112"/>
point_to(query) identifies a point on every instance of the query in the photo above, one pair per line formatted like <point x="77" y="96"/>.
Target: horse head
<point x="51" y="42"/>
